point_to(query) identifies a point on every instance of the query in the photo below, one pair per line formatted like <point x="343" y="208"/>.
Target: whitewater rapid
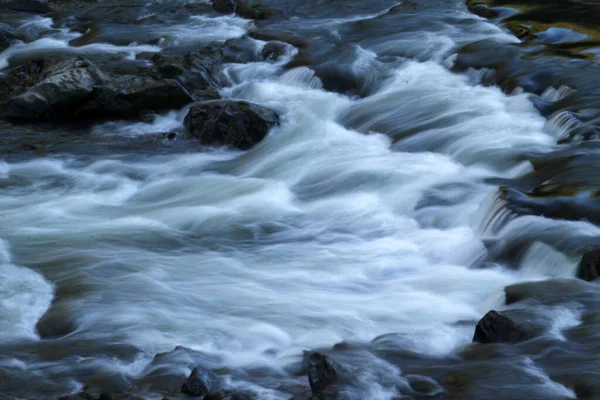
<point x="356" y="217"/>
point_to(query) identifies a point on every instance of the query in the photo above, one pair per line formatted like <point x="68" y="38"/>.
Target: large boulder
<point x="589" y="266"/>
<point x="67" y="85"/>
<point x="497" y="327"/>
<point x="236" y="124"/>
<point x="76" y="89"/>
<point x="200" y="383"/>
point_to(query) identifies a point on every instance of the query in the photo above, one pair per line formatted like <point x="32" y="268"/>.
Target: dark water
<point x="430" y="166"/>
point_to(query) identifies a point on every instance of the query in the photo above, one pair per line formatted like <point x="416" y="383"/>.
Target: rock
<point x="7" y="35"/>
<point x="322" y="373"/>
<point x="105" y="396"/>
<point x="495" y="327"/>
<point x="236" y="124"/>
<point x="31" y="6"/>
<point x="240" y="8"/>
<point x="76" y="89"/>
<point x="56" y="322"/>
<point x="67" y="85"/>
<point x="225" y="6"/>
<point x="589" y="266"/>
<point x="273" y="50"/>
<point x="79" y="396"/>
<point x="200" y="383"/>
<point x="479" y="8"/>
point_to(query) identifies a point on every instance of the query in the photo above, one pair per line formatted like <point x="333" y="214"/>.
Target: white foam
<point x="24" y="297"/>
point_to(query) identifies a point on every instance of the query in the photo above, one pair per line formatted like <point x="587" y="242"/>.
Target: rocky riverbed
<point x="299" y="200"/>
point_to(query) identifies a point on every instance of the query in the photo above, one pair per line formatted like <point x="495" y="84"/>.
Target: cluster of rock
<point x="71" y="89"/>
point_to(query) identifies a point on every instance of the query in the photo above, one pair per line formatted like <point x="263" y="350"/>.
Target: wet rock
<point x="322" y="373"/>
<point x="479" y="8"/>
<point x="242" y="9"/>
<point x="200" y="383"/>
<point x="589" y="266"/>
<point x="496" y="327"/>
<point x="273" y="50"/>
<point x="229" y="396"/>
<point x="225" y="6"/>
<point x="237" y="124"/>
<point x="56" y="322"/>
<point x="76" y="89"/>
<point x="31" y="6"/>
<point x="79" y="396"/>
<point x="7" y="35"/>
<point x="67" y="85"/>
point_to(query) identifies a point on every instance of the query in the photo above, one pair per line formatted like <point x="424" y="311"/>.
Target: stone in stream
<point x="240" y="8"/>
<point x="76" y="89"/>
<point x="496" y="327"/>
<point x="322" y="375"/>
<point x="31" y="6"/>
<point x="589" y="266"/>
<point x="236" y="124"/>
<point x="200" y="383"/>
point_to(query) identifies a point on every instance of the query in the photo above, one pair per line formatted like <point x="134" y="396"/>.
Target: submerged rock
<point x="322" y="373"/>
<point x="496" y="327"/>
<point x="237" y="124"/>
<point x="200" y="383"/>
<point x="589" y="266"/>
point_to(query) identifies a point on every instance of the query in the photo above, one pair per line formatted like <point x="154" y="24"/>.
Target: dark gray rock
<point x="273" y="50"/>
<point x="240" y="8"/>
<point x="57" y="321"/>
<point x="66" y="86"/>
<point x="225" y="6"/>
<point x="76" y="89"/>
<point x="589" y="266"/>
<point x="496" y="327"/>
<point x="7" y="35"/>
<point x="237" y="124"/>
<point x="31" y="6"/>
<point x="200" y="383"/>
<point x="322" y="373"/>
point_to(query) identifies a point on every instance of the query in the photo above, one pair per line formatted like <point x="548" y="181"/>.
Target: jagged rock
<point x="237" y="124"/>
<point x="496" y="327"/>
<point x="76" y="89"/>
<point x="200" y="383"/>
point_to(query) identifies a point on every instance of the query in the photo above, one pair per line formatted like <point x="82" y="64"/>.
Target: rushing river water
<point x="367" y="212"/>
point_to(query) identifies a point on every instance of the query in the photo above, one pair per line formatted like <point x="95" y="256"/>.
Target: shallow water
<point x="361" y="215"/>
